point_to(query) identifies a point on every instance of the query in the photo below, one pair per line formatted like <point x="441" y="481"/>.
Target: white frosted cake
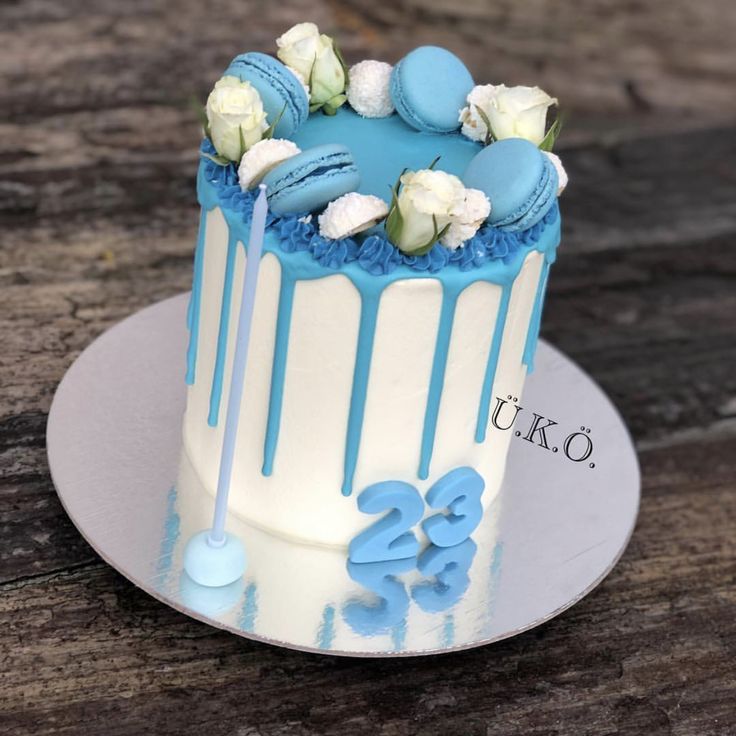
<point x="413" y="219"/>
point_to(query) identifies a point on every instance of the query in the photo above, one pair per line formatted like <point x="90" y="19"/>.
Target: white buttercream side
<point x="302" y="498"/>
<point x="406" y="332"/>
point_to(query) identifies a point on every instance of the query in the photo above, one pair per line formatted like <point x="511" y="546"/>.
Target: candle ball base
<point x="211" y="565"/>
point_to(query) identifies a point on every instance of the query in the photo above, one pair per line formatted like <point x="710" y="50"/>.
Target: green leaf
<point x="490" y="138"/>
<point x="219" y="160"/>
<point x="434" y="162"/>
<point x="268" y="133"/>
<point x="553" y="133"/>
<point x="330" y="107"/>
<point x="394" y="223"/>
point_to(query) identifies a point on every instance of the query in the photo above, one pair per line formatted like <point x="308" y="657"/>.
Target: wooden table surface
<point x="97" y="219"/>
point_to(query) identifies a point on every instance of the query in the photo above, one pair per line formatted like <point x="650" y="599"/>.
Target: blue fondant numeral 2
<point x="459" y="491"/>
<point x="389" y="538"/>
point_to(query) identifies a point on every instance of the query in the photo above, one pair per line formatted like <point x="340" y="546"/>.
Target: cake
<point x="412" y="222"/>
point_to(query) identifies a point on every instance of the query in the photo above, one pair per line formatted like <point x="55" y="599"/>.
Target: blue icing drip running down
<point x="363" y="355"/>
<point x="532" y="334"/>
<point x="485" y="397"/>
<point x="492" y="255"/>
<point x="278" y="371"/>
<point x="227" y="293"/>
<point x="437" y="380"/>
<point x="195" y="300"/>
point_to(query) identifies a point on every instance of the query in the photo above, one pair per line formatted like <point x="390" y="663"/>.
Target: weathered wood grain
<point x="97" y="219"/>
<point x="650" y="651"/>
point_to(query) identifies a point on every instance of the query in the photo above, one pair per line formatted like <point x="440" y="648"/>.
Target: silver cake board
<point x="557" y="529"/>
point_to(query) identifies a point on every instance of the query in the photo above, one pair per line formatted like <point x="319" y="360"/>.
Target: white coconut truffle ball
<point x="561" y="173"/>
<point x="350" y="214"/>
<point x="260" y="158"/>
<point x="368" y="89"/>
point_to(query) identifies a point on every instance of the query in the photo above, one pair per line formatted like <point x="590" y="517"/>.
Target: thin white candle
<point x="245" y="320"/>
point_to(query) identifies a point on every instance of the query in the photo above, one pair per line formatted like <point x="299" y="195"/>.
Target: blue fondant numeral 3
<point x="389" y="538"/>
<point x="459" y="492"/>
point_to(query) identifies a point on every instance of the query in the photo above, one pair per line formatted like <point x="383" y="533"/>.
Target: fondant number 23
<point x="391" y="538"/>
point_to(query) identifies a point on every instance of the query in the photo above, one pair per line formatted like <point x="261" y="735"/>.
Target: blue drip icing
<point x="195" y="299"/>
<point x="278" y="370"/>
<point x="437" y="380"/>
<point x="190" y="310"/>
<point x="302" y="265"/>
<point x="363" y="355"/>
<point x="485" y="396"/>
<point x="532" y="334"/>
<point x="326" y="631"/>
<point x="227" y="293"/>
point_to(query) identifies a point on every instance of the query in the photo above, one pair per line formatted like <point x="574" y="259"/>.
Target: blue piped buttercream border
<point x="375" y="254"/>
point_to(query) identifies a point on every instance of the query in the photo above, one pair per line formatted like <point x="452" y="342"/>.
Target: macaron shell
<point x="539" y="204"/>
<point x="278" y="88"/>
<point x="311" y="180"/>
<point x="429" y="87"/>
<point x="509" y="172"/>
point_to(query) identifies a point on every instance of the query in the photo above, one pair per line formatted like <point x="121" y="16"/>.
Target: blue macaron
<point x="518" y="179"/>
<point x="278" y="88"/>
<point x="310" y="180"/>
<point x="429" y="87"/>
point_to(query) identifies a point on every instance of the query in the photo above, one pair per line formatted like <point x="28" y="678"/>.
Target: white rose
<point x="476" y="209"/>
<point x="235" y="117"/>
<point x="312" y="54"/>
<point x="328" y="77"/>
<point x="513" y="112"/>
<point x="263" y="157"/>
<point x="427" y="202"/>
<point x="299" y="47"/>
<point x="350" y="214"/>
